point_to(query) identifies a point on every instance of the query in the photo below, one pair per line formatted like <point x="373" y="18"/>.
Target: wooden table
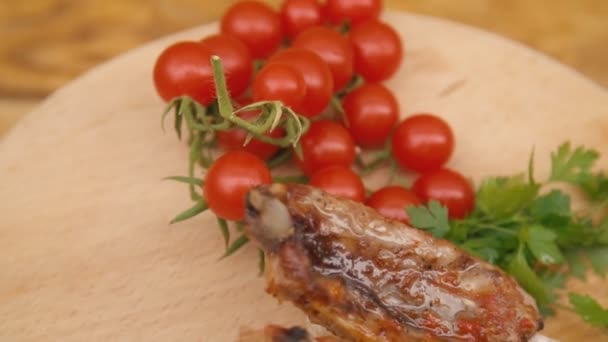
<point x="46" y="43"/>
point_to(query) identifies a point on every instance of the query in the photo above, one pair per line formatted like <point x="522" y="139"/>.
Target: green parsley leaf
<point x="488" y="254"/>
<point x="575" y="167"/>
<point x="553" y="204"/>
<point x="555" y="280"/>
<point x="520" y="269"/>
<point x="595" y="186"/>
<point x="501" y="197"/>
<point x="459" y="231"/>
<point x="598" y="257"/>
<point x="502" y="244"/>
<point x="433" y="218"/>
<point x="546" y="311"/>
<point x="572" y="166"/>
<point x="576" y="264"/>
<point x="602" y="231"/>
<point x="590" y="310"/>
<point x="578" y="232"/>
<point x="541" y="242"/>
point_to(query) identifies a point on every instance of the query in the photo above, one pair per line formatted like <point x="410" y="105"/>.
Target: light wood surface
<point x="87" y="253"/>
<point x="46" y="43"/>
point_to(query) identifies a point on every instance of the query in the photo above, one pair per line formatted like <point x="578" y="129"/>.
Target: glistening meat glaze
<point x="366" y="278"/>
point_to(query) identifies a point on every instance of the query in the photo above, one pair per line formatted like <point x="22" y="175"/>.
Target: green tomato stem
<point x="280" y="158"/>
<point x="221" y="89"/>
<point x="299" y="179"/>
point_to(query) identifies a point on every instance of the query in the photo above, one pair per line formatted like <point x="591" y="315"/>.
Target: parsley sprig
<point x="529" y="229"/>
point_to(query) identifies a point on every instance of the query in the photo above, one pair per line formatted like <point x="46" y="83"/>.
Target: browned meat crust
<point x="366" y="278"/>
<point x="275" y="333"/>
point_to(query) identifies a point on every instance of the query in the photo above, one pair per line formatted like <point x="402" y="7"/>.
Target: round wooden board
<point x="87" y="252"/>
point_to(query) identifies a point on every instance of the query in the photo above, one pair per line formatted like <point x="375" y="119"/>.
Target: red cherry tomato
<point x="255" y="24"/>
<point x="339" y="181"/>
<point x="378" y="50"/>
<point x="335" y="49"/>
<point x="184" y="69"/>
<point x="228" y="180"/>
<point x="422" y="143"/>
<point x="236" y="59"/>
<point x="298" y="15"/>
<point x="279" y="82"/>
<point x="448" y="187"/>
<point x="233" y="139"/>
<point x="353" y="11"/>
<point x="372" y="111"/>
<point x="326" y="143"/>
<point x="391" y="202"/>
<point x="317" y="77"/>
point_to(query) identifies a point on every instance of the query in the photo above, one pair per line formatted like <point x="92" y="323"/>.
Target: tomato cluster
<point x="326" y="62"/>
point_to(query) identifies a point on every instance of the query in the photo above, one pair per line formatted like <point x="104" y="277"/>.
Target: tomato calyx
<point x="202" y="122"/>
<point x="272" y="114"/>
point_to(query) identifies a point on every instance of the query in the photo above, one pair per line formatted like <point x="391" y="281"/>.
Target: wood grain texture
<point x="87" y="254"/>
<point x="46" y="43"/>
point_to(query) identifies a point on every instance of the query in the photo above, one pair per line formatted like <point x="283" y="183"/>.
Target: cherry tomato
<point x="228" y="180"/>
<point x="372" y="111"/>
<point x="448" y="187"/>
<point x="335" y="49"/>
<point x="326" y="143"/>
<point x="391" y="202"/>
<point x="279" y="82"/>
<point x="353" y="11"/>
<point x="236" y="59"/>
<point x="422" y="143"/>
<point x="317" y="77"/>
<point x="255" y="24"/>
<point x="184" y="69"/>
<point x="378" y="50"/>
<point x="233" y="139"/>
<point x="298" y="15"/>
<point x="339" y="181"/>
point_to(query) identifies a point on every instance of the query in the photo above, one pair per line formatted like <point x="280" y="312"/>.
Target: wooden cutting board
<point x="86" y="252"/>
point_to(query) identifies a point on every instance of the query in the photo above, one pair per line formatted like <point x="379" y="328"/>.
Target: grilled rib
<point x="276" y="333"/>
<point x="366" y="278"/>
